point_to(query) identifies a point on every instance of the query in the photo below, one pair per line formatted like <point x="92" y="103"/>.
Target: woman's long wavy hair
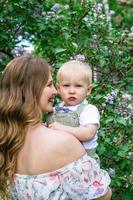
<point x="21" y="86"/>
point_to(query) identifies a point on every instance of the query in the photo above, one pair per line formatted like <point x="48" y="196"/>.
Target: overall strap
<point x="80" y="108"/>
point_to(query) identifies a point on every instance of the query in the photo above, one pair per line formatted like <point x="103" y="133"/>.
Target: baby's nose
<point x="72" y="89"/>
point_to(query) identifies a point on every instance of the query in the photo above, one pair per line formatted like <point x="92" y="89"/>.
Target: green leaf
<point x="98" y="96"/>
<point x="123" y="151"/>
<point x="123" y="164"/>
<point x="75" y="45"/>
<point x="121" y="120"/>
<point x="125" y="147"/>
<point x="110" y="119"/>
<point x="59" y="50"/>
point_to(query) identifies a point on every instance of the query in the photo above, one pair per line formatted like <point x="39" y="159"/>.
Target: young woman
<point x="37" y="162"/>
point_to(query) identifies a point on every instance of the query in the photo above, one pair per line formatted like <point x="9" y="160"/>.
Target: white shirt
<point x="89" y="115"/>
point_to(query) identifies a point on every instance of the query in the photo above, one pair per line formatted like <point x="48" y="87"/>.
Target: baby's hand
<point x="56" y="125"/>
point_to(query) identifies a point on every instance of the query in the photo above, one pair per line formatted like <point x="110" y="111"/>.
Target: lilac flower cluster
<point x="111" y="13"/>
<point x="55" y="8"/>
<point x="94" y="37"/>
<point x="66" y="6"/>
<point x="126" y="106"/>
<point x="80" y="57"/>
<point x="112" y="172"/>
<point x="93" y="46"/>
<point x="38" y="11"/>
<point x="98" y="8"/>
<point x="130" y="35"/>
<point x="19" y="51"/>
<point x="127" y="97"/>
<point x="110" y="98"/>
<point x="122" y="103"/>
<point x="108" y="13"/>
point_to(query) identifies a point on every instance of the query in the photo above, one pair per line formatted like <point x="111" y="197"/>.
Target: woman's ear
<point x="89" y="89"/>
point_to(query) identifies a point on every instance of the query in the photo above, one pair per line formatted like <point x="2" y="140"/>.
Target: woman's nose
<point x="54" y="90"/>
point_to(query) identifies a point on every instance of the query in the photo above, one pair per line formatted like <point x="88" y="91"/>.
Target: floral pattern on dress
<point x="80" y="180"/>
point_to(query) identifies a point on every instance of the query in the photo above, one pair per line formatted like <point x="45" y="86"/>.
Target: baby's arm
<point x="89" y="124"/>
<point x="83" y="133"/>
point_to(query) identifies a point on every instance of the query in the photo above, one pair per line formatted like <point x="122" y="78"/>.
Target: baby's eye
<point x="66" y="85"/>
<point x="78" y="85"/>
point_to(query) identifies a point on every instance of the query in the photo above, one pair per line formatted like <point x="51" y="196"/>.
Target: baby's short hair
<point x="76" y="68"/>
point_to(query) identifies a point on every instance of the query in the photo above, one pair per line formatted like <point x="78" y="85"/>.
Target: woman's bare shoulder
<point x="54" y="149"/>
<point x="64" y="139"/>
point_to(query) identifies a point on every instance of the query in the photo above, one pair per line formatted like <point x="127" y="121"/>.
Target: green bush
<point x="62" y="30"/>
<point x="115" y="137"/>
<point x="87" y="29"/>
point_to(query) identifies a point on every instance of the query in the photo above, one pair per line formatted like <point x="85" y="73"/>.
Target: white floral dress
<point x="79" y="180"/>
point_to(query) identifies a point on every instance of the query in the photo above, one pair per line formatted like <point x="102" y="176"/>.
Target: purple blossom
<point x="127" y="97"/>
<point x="24" y="35"/>
<point x="55" y="8"/>
<point x="104" y="104"/>
<point x="51" y="13"/>
<point x="111" y="97"/>
<point x="94" y="37"/>
<point x="130" y="35"/>
<point x="120" y="53"/>
<point x="66" y="6"/>
<point x="111" y="172"/>
<point x="111" y="13"/>
<point x="86" y="18"/>
<point x="18" y="51"/>
<point x="105" y="48"/>
<point x="130" y="107"/>
<point x="93" y="46"/>
<point x="80" y="57"/>
<point x="105" y="1"/>
<point x="106" y="7"/>
<point x="123" y="107"/>
<point x="38" y="12"/>
<point x="131" y="29"/>
<point x="114" y="93"/>
<point x="98" y="8"/>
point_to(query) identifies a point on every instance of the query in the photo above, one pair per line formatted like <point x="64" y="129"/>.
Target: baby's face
<point x="73" y="89"/>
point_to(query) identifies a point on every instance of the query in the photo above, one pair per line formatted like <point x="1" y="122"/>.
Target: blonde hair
<point x="75" y="68"/>
<point x="21" y="86"/>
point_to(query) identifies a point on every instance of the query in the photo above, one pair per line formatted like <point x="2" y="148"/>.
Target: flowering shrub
<point x="80" y="57"/>
<point x="87" y="30"/>
<point x="115" y="137"/>
<point x="124" y="107"/>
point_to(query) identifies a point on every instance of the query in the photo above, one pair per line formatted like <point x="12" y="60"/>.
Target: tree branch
<point x="6" y="53"/>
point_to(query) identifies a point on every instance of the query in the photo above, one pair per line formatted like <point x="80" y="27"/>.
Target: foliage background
<point x="100" y="31"/>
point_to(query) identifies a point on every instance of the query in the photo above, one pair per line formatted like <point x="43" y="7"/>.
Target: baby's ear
<point x="57" y="86"/>
<point x="89" y="89"/>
